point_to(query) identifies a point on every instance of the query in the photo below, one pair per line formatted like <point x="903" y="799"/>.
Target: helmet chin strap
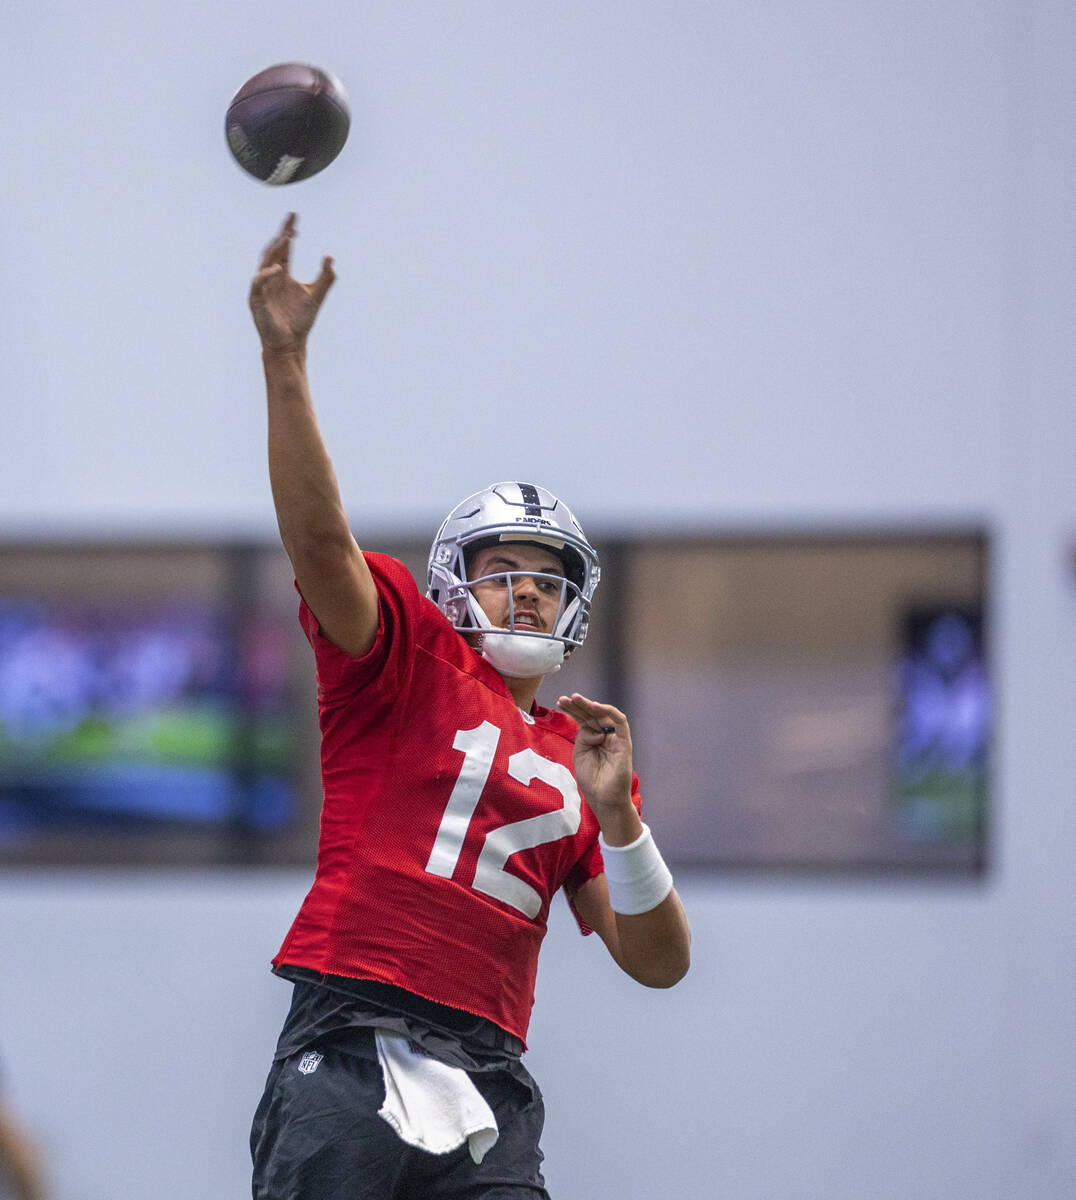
<point x="517" y="655"/>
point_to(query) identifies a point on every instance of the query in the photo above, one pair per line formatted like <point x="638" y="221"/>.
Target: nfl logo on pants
<point x="308" y="1064"/>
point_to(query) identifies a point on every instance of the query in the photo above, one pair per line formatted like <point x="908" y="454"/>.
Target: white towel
<point x="431" y="1105"/>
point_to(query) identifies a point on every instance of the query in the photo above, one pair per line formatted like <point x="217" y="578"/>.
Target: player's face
<point x="534" y="600"/>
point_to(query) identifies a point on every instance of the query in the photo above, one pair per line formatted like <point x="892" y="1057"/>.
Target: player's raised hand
<point x="602" y="756"/>
<point x="283" y="308"/>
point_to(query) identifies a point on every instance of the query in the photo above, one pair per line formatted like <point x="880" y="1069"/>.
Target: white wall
<point x="696" y="264"/>
<point x="685" y="260"/>
<point x="829" y="1041"/>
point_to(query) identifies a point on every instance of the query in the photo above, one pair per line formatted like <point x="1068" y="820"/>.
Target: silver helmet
<point x="514" y="512"/>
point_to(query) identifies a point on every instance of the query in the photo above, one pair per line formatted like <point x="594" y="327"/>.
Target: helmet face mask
<point x="506" y="513"/>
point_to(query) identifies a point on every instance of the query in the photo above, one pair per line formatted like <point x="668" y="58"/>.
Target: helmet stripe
<point x="530" y="499"/>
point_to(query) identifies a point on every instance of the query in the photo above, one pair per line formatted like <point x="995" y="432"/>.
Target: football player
<point x="454" y="808"/>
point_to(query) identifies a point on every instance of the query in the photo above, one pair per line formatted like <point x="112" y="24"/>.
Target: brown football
<point x="287" y="123"/>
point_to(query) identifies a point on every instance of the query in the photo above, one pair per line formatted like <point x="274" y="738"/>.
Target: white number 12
<point x="478" y="747"/>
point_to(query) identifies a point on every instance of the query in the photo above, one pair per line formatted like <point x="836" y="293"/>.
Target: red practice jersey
<point x="450" y="818"/>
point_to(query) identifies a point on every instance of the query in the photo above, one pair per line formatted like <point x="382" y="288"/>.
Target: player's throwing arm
<point x="328" y="564"/>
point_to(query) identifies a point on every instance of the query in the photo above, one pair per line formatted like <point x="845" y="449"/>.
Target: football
<point x="287" y="123"/>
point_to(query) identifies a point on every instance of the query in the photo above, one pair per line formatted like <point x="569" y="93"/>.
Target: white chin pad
<point x="521" y="655"/>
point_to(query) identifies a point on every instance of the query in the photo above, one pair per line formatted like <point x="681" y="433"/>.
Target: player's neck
<point x="524" y="691"/>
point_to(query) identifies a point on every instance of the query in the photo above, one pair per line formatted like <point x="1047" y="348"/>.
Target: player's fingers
<point x="258" y="283"/>
<point x="596" y="718"/>
<point x="324" y="281"/>
<point x="279" y="249"/>
<point x="575" y="707"/>
<point x="278" y="252"/>
<point x="592" y="710"/>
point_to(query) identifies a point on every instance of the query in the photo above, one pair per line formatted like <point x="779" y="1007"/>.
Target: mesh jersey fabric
<point x="449" y="818"/>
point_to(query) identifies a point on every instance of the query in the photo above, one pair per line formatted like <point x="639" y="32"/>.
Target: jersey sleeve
<point x="591" y="863"/>
<point x="341" y="676"/>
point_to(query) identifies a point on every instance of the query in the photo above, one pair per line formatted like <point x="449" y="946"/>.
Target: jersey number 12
<point x="479" y="746"/>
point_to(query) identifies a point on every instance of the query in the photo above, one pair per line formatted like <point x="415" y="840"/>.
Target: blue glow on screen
<point x="944" y="726"/>
<point x="127" y="718"/>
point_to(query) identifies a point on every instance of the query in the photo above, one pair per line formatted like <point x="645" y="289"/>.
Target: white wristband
<point x="637" y="876"/>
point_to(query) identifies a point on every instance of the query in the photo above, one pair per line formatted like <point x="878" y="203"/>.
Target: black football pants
<point x="317" y="1136"/>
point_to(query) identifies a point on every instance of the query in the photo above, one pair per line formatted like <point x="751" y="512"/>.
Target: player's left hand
<point x="602" y="757"/>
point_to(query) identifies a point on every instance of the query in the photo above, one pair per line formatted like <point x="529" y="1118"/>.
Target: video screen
<point x="127" y="718"/>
